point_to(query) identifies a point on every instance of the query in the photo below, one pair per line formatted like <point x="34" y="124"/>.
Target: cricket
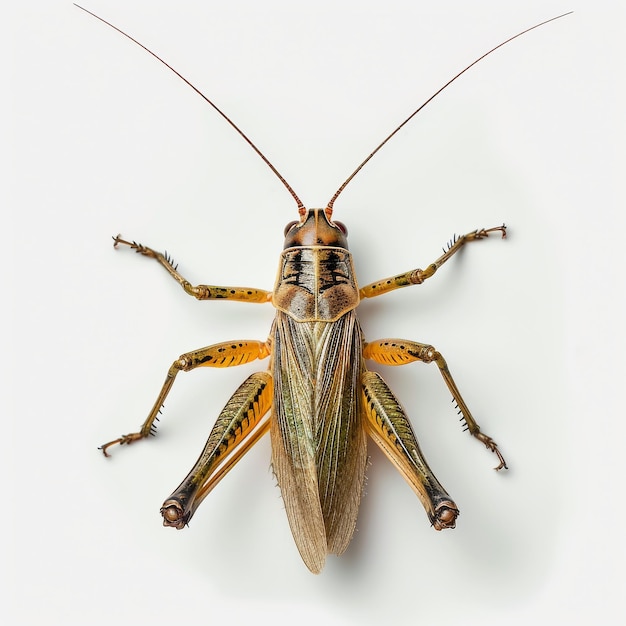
<point x="316" y="397"/>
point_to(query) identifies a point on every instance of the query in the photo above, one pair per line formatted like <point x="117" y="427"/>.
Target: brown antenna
<point x="301" y="207"/>
<point x="329" y="207"/>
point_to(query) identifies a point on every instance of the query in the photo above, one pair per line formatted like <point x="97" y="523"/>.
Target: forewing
<point x="340" y="437"/>
<point x="318" y="442"/>
<point x="293" y="442"/>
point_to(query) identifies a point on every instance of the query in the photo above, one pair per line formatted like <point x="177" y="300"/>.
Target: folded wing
<point x="318" y="440"/>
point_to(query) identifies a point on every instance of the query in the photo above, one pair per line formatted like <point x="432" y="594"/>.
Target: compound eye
<point x="342" y="227"/>
<point x="289" y="227"/>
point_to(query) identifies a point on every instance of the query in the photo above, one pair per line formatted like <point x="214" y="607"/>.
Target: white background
<point x="103" y="139"/>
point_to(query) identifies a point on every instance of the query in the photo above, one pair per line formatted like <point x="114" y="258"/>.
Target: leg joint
<point x="416" y="277"/>
<point x="200" y="292"/>
<point x="183" y="363"/>
<point x="426" y="354"/>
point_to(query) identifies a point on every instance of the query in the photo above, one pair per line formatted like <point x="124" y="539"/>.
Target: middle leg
<point x="225" y="354"/>
<point x="401" y="351"/>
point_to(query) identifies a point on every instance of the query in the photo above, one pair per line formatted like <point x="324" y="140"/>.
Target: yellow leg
<point x="201" y="292"/>
<point x="388" y="426"/>
<point x="225" y="354"/>
<point x="418" y="276"/>
<point x="238" y="427"/>
<point x="401" y="351"/>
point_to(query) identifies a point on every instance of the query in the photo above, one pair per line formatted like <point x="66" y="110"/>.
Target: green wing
<point x="319" y="448"/>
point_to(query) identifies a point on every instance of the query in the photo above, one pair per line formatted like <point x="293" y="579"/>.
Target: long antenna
<point x="301" y="208"/>
<point x="408" y="119"/>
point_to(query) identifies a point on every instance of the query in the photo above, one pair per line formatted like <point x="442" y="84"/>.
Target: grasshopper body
<point x="317" y="399"/>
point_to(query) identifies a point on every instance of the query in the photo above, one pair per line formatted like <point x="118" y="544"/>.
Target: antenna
<point x="301" y="208"/>
<point x="329" y="207"/>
